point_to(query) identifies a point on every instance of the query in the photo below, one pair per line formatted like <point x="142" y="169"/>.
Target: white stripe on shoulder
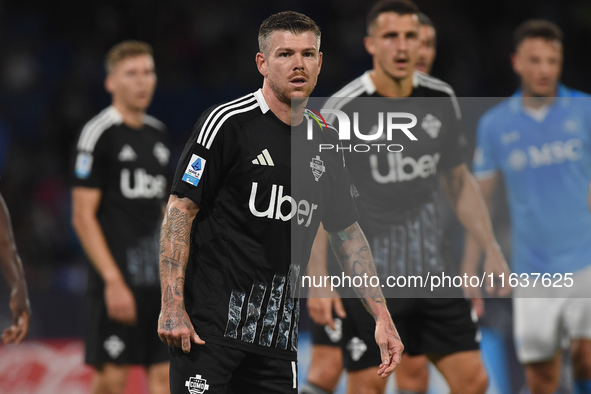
<point x="220" y="111"/>
<point x="92" y="131"/>
<point x="354" y="89"/>
<point x="155" y="123"/>
<point x="422" y="79"/>
<point x="228" y="115"/>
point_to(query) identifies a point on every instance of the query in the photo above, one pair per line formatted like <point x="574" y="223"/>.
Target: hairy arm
<point x="15" y="276"/>
<point x="119" y="299"/>
<point x="174" y="325"/>
<point x="352" y="250"/>
<point x="469" y="205"/>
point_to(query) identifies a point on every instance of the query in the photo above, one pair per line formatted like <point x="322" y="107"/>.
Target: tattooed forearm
<point x="177" y="228"/>
<point x="175" y="246"/>
<point x="352" y="250"/>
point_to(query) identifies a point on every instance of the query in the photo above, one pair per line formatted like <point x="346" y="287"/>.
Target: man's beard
<point x="283" y="96"/>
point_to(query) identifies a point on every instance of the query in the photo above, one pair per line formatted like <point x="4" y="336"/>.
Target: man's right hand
<point x="320" y="310"/>
<point x="175" y="328"/>
<point x="120" y="302"/>
<point x="391" y="346"/>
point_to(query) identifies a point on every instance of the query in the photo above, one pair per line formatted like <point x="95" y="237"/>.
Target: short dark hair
<point x="425" y="20"/>
<point x="291" y="21"/>
<point x="126" y="49"/>
<point x="402" y="7"/>
<point x="537" y="28"/>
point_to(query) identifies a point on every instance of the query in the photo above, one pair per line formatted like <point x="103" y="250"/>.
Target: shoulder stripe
<point x="220" y="111"/>
<point x="228" y="115"/>
<point x="348" y="88"/>
<point x="92" y="131"/>
<point x="437" y="84"/>
<point x="338" y="102"/>
<point x="155" y="123"/>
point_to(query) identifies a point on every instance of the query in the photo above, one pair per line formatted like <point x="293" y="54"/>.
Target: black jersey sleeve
<point x="205" y="160"/>
<point x="342" y="211"/>
<point x="454" y="145"/>
<point x="90" y="167"/>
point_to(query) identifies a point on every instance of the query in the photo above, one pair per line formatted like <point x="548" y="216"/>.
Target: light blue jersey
<point x="545" y="160"/>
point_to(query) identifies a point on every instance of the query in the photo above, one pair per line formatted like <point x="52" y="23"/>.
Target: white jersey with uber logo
<point x="262" y="189"/>
<point x="130" y="167"/>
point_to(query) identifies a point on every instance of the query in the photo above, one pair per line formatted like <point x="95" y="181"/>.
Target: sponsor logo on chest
<point x="402" y="168"/>
<point x="548" y="154"/>
<point x="140" y="184"/>
<point x="281" y="207"/>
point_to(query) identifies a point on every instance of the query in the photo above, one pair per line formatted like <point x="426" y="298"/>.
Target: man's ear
<point x="515" y="63"/>
<point x="369" y="44"/>
<point x="109" y="84"/>
<point x="261" y="61"/>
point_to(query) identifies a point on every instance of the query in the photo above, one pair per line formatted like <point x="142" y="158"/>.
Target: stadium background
<point x="51" y="82"/>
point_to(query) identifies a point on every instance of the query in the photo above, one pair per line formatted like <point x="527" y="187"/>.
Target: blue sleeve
<point x="486" y="160"/>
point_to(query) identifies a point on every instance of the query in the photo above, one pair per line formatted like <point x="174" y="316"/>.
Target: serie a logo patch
<point x="194" y="170"/>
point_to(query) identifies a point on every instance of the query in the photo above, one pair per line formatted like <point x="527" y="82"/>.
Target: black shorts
<point x="212" y="368"/>
<point x="326" y="336"/>
<point x="426" y="326"/>
<point x="107" y="341"/>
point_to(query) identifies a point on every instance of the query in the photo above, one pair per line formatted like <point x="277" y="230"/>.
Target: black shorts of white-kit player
<point x="262" y="189"/>
<point x="397" y="180"/>
<point x="130" y="167"/>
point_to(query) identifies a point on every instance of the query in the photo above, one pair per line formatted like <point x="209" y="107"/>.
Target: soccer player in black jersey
<point x="12" y="268"/>
<point x="400" y="211"/>
<point x="326" y="361"/>
<point x="119" y="186"/>
<point x="247" y="199"/>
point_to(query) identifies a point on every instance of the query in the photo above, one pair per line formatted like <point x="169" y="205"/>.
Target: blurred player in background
<point x="399" y="196"/>
<point x="538" y="143"/>
<point x="119" y="185"/>
<point x="428" y="44"/>
<point x="12" y="268"/>
<point x="326" y="363"/>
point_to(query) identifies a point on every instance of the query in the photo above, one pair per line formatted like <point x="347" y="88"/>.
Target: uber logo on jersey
<point x="404" y="168"/>
<point x="431" y="125"/>
<point x="144" y="184"/>
<point x="303" y="209"/>
<point x="548" y="154"/>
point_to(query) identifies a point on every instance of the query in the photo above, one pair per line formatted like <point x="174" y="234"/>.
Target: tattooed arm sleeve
<point x="352" y="250"/>
<point x="174" y="325"/>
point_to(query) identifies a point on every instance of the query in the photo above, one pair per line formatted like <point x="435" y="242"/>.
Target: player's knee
<point x="476" y="383"/>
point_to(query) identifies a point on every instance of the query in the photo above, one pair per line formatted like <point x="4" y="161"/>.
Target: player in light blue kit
<point x="539" y="143"/>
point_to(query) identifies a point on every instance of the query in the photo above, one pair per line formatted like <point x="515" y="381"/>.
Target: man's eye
<point x="284" y="54"/>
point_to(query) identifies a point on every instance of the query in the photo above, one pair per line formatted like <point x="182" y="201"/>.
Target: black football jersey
<point x="395" y="175"/>
<point x="130" y="166"/>
<point x="262" y="188"/>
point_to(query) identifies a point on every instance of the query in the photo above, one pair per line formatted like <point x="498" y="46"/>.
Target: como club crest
<point x="317" y="167"/>
<point x="196" y="385"/>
